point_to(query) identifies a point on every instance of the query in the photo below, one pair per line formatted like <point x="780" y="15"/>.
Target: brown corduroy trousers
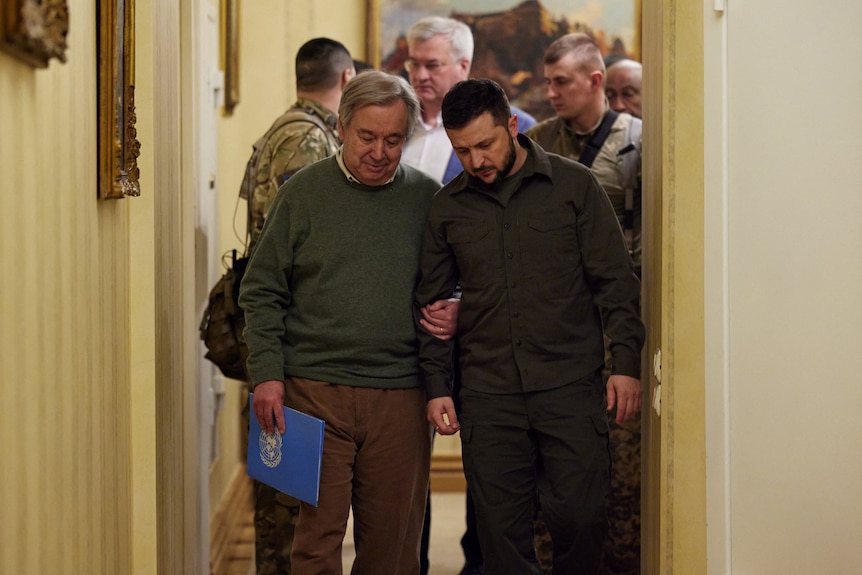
<point x="376" y="458"/>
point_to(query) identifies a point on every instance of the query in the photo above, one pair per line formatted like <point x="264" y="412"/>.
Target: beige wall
<point x="142" y="310"/>
<point x="65" y="416"/>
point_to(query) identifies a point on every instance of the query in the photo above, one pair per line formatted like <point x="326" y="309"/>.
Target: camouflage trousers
<point x="275" y="516"/>
<point x="622" y="547"/>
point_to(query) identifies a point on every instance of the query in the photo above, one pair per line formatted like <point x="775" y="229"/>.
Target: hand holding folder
<point x="290" y="462"/>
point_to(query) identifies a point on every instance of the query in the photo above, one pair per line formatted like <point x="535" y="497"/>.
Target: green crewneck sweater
<point x="328" y="292"/>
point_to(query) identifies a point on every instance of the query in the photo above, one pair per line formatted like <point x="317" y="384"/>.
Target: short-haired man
<point x="588" y="130"/>
<point x="623" y="86"/>
<point x="327" y="295"/>
<point x="574" y="73"/>
<point x="440" y="55"/>
<point x="545" y="274"/>
<point x="305" y="133"/>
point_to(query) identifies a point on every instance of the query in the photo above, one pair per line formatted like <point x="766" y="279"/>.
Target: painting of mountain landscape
<point x="511" y="37"/>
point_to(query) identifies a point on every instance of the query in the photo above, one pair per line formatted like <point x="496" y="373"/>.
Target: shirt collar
<point x="592" y="130"/>
<point x="429" y="127"/>
<point x="350" y="177"/>
<point x="537" y="162"/>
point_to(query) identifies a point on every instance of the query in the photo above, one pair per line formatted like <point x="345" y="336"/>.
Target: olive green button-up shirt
<point x="540" y="263"/>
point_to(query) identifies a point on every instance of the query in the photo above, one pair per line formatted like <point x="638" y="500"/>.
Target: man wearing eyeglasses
<point x="440" y="54"/>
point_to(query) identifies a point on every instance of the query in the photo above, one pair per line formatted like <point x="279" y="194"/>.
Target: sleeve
<point x="613" y="283"/>
<point x="265" y="296"/>
<point x="438" y="279"/>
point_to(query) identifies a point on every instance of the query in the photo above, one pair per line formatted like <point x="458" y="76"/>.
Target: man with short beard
<point x="545" y="275"/>
<point x="440" y="53"/>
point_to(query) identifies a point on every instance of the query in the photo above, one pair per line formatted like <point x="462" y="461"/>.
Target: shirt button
<point x="514" y="284"/>
<point x="518" y="342"/>
<point x="517" y="314"/>
<point x="506" y="226"/>
<point x="510" y="255"/>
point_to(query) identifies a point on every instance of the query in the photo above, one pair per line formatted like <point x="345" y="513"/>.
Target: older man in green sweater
<point x="327" y="297"/>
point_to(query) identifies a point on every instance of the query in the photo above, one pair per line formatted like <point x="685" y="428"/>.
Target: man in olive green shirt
<point x="544" y="274"/>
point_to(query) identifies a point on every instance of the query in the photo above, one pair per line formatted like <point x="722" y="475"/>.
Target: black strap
<point x="591" y="150"/>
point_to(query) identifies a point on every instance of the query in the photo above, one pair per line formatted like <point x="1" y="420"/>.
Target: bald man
<point x="623" y="86"/>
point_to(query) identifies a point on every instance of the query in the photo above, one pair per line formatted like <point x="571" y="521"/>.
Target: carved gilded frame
<point x="118" y="144"/>
<point x="34" y="30"/>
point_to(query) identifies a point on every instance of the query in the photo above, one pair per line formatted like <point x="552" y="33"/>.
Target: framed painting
<point x="34" y="30"/>
<point x="118" y="144"/>
<point x="510" y="36"/>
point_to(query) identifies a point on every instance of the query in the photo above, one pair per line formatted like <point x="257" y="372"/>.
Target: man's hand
<point x="441" y="414"/>
<point x="440" y="318"/>
<point x="268" y="401"/>
<point x="626" y="395"/>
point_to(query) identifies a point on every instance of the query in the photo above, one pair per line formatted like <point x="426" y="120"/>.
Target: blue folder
<point x="289" y="462"/>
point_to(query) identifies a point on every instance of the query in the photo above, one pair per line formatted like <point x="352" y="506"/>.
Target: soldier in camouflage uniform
<point x="305" y="133"/>
<point x="579" y="98"/>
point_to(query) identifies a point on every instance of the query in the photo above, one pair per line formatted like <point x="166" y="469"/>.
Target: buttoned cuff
<point x="437" y="386"/>
<point x="626" y="364"/>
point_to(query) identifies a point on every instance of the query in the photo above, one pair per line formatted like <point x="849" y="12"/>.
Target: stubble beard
<point x="507" y="167"/>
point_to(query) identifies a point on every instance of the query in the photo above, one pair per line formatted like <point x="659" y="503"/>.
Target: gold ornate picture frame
<point x="118" y="144"/>
<point x="34" y="30"/>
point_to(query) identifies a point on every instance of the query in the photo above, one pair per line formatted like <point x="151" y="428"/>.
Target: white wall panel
<point x="792" y="239"/>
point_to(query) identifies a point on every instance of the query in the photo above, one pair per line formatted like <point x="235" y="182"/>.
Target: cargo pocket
<point x="466" y="434"/>
<point x="602" y="427"/>
<point x="601" y="424"/>
<point x="551" y="243"/>
<point x="476" y="251"/>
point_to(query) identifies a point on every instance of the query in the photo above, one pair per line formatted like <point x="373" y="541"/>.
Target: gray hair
<point x="459" y="35"/>
<point x="376" y="88"/>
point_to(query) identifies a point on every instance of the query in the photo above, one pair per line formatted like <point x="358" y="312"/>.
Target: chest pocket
<point x="477" y="250"/>
<point x="549" y="243"/>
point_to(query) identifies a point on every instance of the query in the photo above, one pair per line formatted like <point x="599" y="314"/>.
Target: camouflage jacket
<point x="291" y="146"/>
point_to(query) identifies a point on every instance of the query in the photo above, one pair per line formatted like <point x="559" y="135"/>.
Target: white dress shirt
<point x="428" y="149"/>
